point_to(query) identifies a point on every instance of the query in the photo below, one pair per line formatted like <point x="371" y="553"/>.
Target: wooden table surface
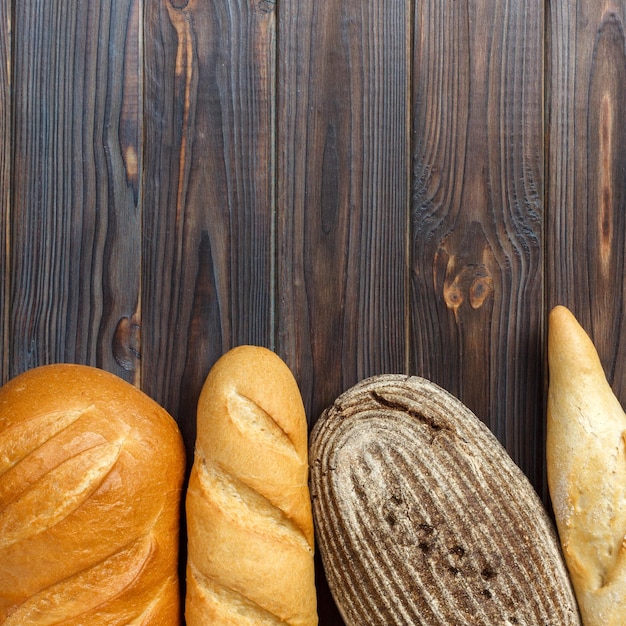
<point x="362" y="186"/>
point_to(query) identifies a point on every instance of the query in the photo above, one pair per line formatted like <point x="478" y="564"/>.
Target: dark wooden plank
<point x="477" y="217"/>
<point x="75" y="218"/>
<point x="586" y="228"/>
<point x="5" y="183"/>
<point x="208" y="224"/>
<point x="342" y="193"/>
<point x="342" y="198"/>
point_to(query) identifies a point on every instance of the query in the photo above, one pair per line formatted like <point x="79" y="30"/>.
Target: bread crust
<point x="91" y="473"/>
<point x="249" y="520"/>
<point x="423" y="518"/>
<point x="586" y="465"/>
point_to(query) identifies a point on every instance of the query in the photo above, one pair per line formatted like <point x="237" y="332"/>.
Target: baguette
<point x="91" y="473"/>
<point x="586" y="465"/>
<point x="249" y="520"/>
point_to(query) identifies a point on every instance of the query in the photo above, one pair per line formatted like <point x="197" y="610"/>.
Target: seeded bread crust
<point x="423" y="518"/>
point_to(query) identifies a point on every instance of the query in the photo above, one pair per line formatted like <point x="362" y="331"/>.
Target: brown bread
<point x="422" y="518"/>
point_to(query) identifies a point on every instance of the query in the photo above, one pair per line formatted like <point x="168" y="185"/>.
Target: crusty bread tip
<point x="249" y="520"/>
<point x="91" y="473"/>
<point x="586" y="464"/>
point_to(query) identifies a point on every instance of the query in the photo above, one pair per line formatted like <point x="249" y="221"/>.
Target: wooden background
<point x="362" y="186"/>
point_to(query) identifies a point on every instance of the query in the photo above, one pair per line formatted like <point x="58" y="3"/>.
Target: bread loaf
<point x="249" y="521"/>
<point x="422" y="518"/>
<point x="91" y="473"/>
<point x="586" y="463"/>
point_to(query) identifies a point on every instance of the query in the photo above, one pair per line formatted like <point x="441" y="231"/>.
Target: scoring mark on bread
<point x="81" y="594"/>
<point x="24" y="437"/>
<point x="246" y="506"/>
<point x="395" y="405"/>
<point x="251" y="418"/>
<point x="237" y="605"/>
<point x="80" y="476"/>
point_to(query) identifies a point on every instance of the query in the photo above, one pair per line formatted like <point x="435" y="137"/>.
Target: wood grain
<point x="342" y="193"/>
<point x="207" y="280"/>
<point x="75" y="237"/>
<point x="477" y="214"/>
<point x="5" y="185"/>
<point x="586" y="199"/>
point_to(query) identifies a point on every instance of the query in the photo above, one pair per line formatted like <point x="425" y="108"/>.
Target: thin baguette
<point x="586" y="464"/>
<point x="249" y="520"/>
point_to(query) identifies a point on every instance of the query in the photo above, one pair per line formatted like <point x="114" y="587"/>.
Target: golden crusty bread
<point x="91" y="473"/>
<point x="586" y="464"/>
<point x="249" y="520"/>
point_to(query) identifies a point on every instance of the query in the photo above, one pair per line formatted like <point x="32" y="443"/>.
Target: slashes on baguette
<point x="249" y="520"/>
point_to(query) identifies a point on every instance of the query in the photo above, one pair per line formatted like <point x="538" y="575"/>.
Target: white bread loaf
<point x="586" y="464"/>
<point x="249" y="520"/>
<point x="91" y="472"/>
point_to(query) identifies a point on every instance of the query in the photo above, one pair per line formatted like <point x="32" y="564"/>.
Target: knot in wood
<point x="266" y="6"/>
<point x="472" y="282"/>
<point x="126" y="343"/>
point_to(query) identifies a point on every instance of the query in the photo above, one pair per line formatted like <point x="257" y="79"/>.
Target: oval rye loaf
<point x="423" y="518"/>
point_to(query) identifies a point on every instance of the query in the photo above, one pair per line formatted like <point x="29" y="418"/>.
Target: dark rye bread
<point x="421" y="517"/>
